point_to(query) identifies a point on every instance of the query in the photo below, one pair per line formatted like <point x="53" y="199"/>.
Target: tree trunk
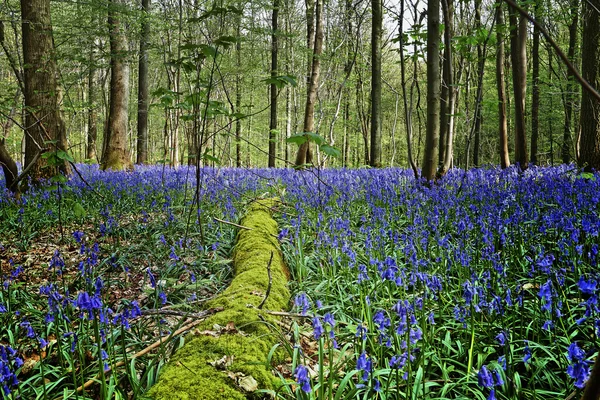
<point x="567" y="144"/>
<point x="518" y="56"/>
<point x="142" y="115"/>
<point x="502" y="118"/>
<point x="535" y="95"/>
<point x="446" y="113"/>
<point x="116" y="155"/>
<point x="376" y="31"/>
<point x="407" y="110"/>
<point x="9" y="168"/>
<point x="430" y="158"/>
<point x="304" y="155"/>
<point x="273" y="86"/>
<point x="238" y="92"/>
<point x="478" y="100"/>
<point x="92" y="126"/>
<point x="590" y="69"/>
<point x="44" y="127"/>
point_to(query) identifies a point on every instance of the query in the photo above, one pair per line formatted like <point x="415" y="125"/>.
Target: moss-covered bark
<point x="188" y="375"/>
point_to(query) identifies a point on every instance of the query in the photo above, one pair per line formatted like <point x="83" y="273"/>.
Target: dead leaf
<point x="223" y="363"/>
<point x="248" y="383"/>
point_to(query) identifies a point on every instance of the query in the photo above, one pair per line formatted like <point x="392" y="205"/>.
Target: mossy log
<point x="189" y="374"/>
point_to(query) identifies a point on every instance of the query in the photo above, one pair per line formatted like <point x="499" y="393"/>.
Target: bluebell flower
<point x="317" y="327"/>
<point x="587" y="287"/>
<point x="485" y="378"/>
<point x="301" y="374"/>
<point x="527" y="353"/>
<point x="301" y="301"/>
<point x="361" y="332"/>
<point x="364" y="364"/>
<point x="328" y="319"/>
<point x="501" y="338"/>
<point x="151" y="277"/>
<point x="546" y="295"/>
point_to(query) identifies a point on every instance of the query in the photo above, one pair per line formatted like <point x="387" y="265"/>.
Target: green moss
<point x="188" y="374"/>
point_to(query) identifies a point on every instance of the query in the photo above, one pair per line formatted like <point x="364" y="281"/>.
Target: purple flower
<point x="485" y="378"/>
<point x="501" y="338"/>
<point x="317" y="327"/>
<point x="587" y="287"/>
<point x="151" y="277"/>
<point x="365" y="365"/>
<point x="301" y="301"/>
<point x="301" y="374"/>
<point x="328" y="319"/>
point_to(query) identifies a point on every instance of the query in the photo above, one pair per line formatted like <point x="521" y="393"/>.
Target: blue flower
<point x="485" y="378"/>
<point x="587" y="287"/>
<point x="301" y="374"/>
<point x="317" y="327"/>
<point x="301" y="301"/>
<point x="365" y="365"/>
<point x="501" y="338"/>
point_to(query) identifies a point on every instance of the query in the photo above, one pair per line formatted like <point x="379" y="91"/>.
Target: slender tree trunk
<point x="446" y="89"/>
<point x="430" y="158"/>
<point x="273" y="86"/>
<point x="376" y="32"/>
<point x="142" y="116"/>
<point x="480" y="67"/>
<point x="408" y="110"/>
<point x="502" y="118"/>
<point x="238" y="98"/>
<point x="116" y="155"/>
<point x="304" y="155"/>
<point x="446" y="113"/>
<point x="535" y="90"/>
<point x="590" y="69"/>
<point x="567" y="143"/>
<point x="518" y="55"/>
<point x="92" y="126"/>
<point x="44" y="127"/>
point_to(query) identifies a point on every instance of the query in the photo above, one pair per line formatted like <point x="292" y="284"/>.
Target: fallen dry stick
<point x="149" y="348"/>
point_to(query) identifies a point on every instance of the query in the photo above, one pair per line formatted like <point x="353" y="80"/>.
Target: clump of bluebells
<point x="493" y="269"/>
<point x="80" y="312"/>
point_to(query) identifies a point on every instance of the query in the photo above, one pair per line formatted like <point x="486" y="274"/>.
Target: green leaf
<point x="59" y="178"/>
<point x="315" y="137"/>
<point x="226" y="41"/>
<point x="330" y="150"/>
<point x="208" y="51"/>
<point x="297" y="138"/>
<point x="78" y="210"/>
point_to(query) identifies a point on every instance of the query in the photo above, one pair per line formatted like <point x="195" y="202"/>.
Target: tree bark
<point x="535" y="94"/>
<point x="446" y="113"/>
<point x="116" y="155"/>
<point x="9" y="168"/>
<point x="273" y="86"/>
<point x="142" y="114"/>
<point x="92" y="126"/>
<point x="518" y="55"/>
<point x="430" y="158"/>
<point x="304" y="155"/>
<point x="570" y="96"/>
<point x="500" y="59"/>
<point x="478" y="100"/>
<point x="408" y="110"/>
<point x="590" y="69"/>
<point x="376" y="32"/>
<point x="44" y="127"/>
